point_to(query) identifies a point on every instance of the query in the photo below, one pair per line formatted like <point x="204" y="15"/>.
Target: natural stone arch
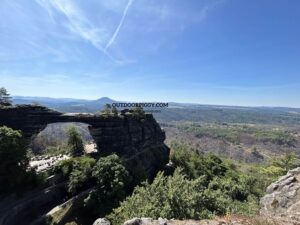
<point x="139" y="141"/>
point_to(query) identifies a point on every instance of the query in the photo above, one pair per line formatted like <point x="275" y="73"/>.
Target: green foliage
<point x="67" y="166"/>
<point x="5" y="99"/>
<point x="107" y="109"/>
<point x="112" y="182"/>
<point x="138" y="112"/>
<point x="14" y="162"/>
<point x="78" y="179"/>
<point x="75" y="141"/>
<point x="78" y="171"/>
<point x="275" y="136"/>
<point x="195" y="165"/>
<point x="114" y="111"/>
<point x="169" y="197"/>
<point x="56" y="150"/>
<point x="273" y="171"/>
<point x="222" y="179"/>
<point x="29" y="153"/>
<point x="287" y="162"/>
<point x="202" y="186"/>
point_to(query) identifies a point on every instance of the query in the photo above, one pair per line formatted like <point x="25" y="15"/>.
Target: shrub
<point x="77" y="170"/>
<point x="222" y="179"/>
<point x="286" y="162"/>
<point x="138" y="112"/>
<point x="112" y="182"/>
<point x="169" y="197"/>
<point x="195" y="165"/>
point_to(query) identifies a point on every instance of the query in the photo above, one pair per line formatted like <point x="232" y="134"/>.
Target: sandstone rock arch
<point x="140" y="141"/>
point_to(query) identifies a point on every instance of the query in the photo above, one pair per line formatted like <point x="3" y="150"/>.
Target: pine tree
<point x="5" y="99"/>
<point x="114" y="111"/>
<point x="138" y="112"/>
<point x="107" y="109"/>
<point x="75" y="141"/>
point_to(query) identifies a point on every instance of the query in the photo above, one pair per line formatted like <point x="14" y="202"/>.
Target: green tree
<point x="112" y="182"/>
<point x="81" y="174"/>
<point x="107" y="109"/>
<point x="5" y="99"/>
<point x="287" y="162"/>
<point x="75" y="141"/>
<point x="78" y="172"/>
<point x="138" y="112"/>
<point x="13" y="160"/>
<point x="114" y="111"/>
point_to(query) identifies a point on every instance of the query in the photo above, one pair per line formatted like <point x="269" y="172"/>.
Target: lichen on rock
<point x="283" y="197"/>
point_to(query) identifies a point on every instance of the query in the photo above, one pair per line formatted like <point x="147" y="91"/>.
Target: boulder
<point x="101" y="221"/>
<point x="146" y="221"/>
<point x="283" y="197"/>
<point x="134" y="221"/>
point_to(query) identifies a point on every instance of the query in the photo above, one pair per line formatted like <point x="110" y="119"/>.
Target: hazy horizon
<point x="128" y="100"/>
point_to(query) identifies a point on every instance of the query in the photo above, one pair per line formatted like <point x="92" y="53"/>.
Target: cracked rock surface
<point x="283" y="197"/>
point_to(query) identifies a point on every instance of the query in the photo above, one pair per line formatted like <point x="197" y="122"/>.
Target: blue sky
<point x="232" y="52"/>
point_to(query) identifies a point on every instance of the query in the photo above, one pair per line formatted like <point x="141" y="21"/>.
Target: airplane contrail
<point x="112" y="39"/>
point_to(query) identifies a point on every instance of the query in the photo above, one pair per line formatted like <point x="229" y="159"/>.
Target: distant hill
<point x="66" y="104"/>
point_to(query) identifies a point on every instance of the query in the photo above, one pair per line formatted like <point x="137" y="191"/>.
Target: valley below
<point x="249" y="143"/>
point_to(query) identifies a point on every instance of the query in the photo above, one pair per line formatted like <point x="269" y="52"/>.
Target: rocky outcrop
<point x="25" y="209"/>
<point x="283" y="197"/>
<point x="60" y="213"/>
<point x="228" y="220"/>
<point x="144" y="221"/>
<point x="140" y="141"/>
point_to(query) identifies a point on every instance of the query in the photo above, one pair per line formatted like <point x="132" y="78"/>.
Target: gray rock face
<point x="283" y="197"/>
<point x="101" y="221"/>
<point x="140" y="141"/>
<point x="239" y="220"/>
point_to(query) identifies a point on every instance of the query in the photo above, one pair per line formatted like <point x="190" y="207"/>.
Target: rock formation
<point x="283" y="197"/>
<point x="140" y="141"/>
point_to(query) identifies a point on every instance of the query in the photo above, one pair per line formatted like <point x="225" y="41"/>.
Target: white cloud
<point x="98" y="35"/>
<point x="118" y="29"/>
